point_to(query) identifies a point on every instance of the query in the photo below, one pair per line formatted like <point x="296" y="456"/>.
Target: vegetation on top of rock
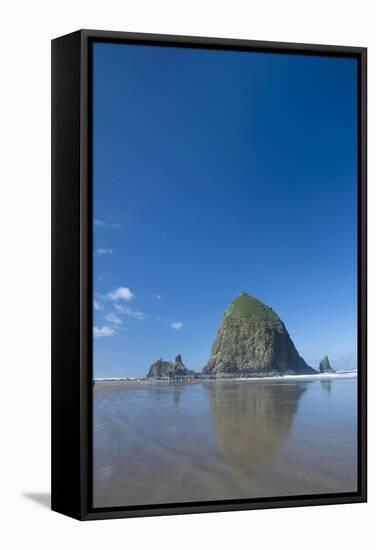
<point x="249" y="307"/>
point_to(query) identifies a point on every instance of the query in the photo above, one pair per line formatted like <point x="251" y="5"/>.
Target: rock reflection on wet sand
<point x="221" y="440"/>
<point x="252" y="420"/>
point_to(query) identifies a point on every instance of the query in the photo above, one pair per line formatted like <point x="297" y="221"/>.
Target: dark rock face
<point x="169" y="369"/>
<point x="325" y="365"/>
<point x="253" y="340"/>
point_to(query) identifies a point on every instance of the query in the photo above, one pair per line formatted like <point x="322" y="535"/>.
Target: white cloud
<point x="113" y="319"/>
<point x="101" y="223"/>
<point x="158" y="297"/>
<point x="177" y="325"/>
<point x="97" y="305"/>
<point x="103" y="331"/>
<point x="121" y="293"/>
<point x="103" y="251"/>
<point x="131" y="312"/>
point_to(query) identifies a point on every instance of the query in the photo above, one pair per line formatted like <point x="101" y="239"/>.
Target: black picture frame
<point x="72" y="275"/>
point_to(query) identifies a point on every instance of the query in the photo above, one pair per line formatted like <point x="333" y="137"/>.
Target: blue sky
<point x="217" y="172"/>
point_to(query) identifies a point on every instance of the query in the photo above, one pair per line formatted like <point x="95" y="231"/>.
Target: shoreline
<point x="193" y="379"/>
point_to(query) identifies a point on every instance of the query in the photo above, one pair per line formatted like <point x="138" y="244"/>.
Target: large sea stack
<point x="253" y="340"/>
<point x="168" y="369"/>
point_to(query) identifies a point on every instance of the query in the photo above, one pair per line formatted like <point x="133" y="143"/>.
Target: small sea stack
<point x="325" y="365"/>
<point x="168" y="369"/>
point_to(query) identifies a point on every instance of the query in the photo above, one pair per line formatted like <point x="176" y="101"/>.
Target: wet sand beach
<point x="214" y="440"/>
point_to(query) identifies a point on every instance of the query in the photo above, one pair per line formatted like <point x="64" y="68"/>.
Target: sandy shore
<point x="160" y="442"/>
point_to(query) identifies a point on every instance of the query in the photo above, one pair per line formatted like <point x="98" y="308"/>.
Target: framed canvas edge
<point x="87" y="511"/>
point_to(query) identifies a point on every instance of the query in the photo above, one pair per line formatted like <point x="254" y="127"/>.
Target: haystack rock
<point x="253" y="340"/>
<point x="325" y="365"/>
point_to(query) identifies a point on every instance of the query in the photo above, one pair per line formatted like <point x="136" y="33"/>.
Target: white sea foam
<point x="318" y="376"/>
<point x="115" y="379"/>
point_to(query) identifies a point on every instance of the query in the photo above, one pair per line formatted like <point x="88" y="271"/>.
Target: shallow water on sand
<point x="220" y="440"/>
